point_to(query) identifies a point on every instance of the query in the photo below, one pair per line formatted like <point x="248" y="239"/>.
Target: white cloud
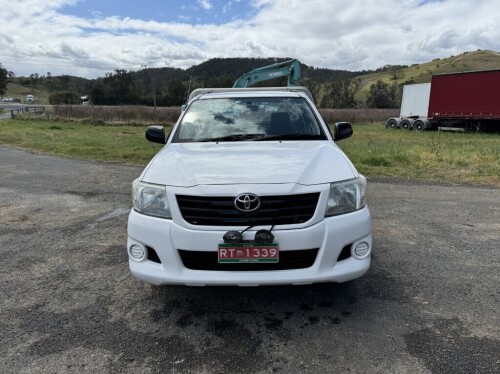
<point x="205" y="4"/>
<point x="340" y="34"/>
<point x="226" y="7"/>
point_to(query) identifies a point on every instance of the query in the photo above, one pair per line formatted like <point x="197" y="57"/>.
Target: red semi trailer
<point x="462" y="102"/>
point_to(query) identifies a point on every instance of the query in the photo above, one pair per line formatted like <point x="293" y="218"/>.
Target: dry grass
<point x="144" y="115"/>
<point x="121" y="114"/>
<point x="358" y="115"/>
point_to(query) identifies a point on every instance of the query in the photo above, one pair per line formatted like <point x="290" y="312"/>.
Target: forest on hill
<point x="380" y="88"/>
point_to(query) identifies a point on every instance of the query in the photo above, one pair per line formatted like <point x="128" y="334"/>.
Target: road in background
<point x="7" y="107"/>
<point x="69" y="304"/>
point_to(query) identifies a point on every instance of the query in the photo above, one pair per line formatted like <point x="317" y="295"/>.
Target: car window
<point x="234" y="119"/>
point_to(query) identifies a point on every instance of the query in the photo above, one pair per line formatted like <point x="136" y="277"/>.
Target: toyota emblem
<point x="247" y="202"/>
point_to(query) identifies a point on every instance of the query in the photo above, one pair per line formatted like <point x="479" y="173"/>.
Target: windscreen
<point x="237" y="119"/>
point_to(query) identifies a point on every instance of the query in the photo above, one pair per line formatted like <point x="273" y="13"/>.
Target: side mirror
<point x="156" y="134"/>
<point x="343" y="130"/>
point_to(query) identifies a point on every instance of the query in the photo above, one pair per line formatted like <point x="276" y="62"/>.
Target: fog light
<point x="233" y="237"/>
<point x="361" y="249"/>
<point x="264" y="236"/>
<point x="137" y="252"/>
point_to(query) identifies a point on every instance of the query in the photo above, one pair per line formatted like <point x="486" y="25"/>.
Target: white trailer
<point x="415" y="101"/>
<point x="414" y="105"/>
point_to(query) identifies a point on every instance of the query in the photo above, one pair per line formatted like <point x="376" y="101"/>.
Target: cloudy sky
<point x="91" y="37"/>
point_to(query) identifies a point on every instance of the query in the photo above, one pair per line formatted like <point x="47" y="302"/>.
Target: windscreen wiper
<point x="293" y="137"/>
<point x="233" y="138"/>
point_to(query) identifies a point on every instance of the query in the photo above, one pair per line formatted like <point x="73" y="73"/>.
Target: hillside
<point x="42" y="86"/>
<point x="19" y="92"/>
<point x="422" y="73"/>
<point x="221" y="72"/>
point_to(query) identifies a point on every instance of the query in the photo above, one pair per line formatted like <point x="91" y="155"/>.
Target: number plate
<point x="248" y="252"/>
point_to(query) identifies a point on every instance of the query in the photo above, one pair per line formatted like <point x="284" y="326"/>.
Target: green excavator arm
<point x="290" y="68"/>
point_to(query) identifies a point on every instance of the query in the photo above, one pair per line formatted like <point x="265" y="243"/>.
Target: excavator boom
<point x="290" y="68"/>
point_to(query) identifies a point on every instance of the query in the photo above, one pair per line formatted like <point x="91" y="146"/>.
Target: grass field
<point x="376" y="151"/>
<point x="107" y="143"/>
<point x="428" y="156"/>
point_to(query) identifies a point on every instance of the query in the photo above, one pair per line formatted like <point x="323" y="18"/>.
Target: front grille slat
<point x="289" y="260"/>
<point x="274" y="210"/>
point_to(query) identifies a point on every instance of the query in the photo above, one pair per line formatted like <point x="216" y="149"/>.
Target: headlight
<point x="346" y="196"/>
<point x="150" y="199"/>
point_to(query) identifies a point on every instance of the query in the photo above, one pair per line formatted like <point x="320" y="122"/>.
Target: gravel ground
<point x="429" y="303"/>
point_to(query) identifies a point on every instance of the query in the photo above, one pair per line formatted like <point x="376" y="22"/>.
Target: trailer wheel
<point x="392" y="123"/>
<point x="421" y="124"/>
<point x="407" y="124"/>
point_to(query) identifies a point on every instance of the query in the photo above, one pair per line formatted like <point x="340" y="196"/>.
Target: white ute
<point x="250" y="189"/>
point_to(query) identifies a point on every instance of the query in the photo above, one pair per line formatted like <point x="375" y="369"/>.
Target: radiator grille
<point x="274" y="210"/>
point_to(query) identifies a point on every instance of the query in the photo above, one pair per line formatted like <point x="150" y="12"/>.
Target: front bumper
<point x="330" y="235"/>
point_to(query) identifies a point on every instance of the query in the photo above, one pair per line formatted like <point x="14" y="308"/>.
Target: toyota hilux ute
<point x="250" y="189"/>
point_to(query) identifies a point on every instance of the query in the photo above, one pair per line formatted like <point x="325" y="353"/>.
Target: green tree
<point x="64" y="82"/>
<point x="4" y="76"/>
<point x="395" y="94"/>
<point x="64" y="98"/>
<point x="49" y="82"/>
<point x="176" y="92"/>
<point x="340" y="94"/>
<point x="396" y="71"/>
<point x="98" y="94"/>
<point x="381" y="95"/>
<point x="120" y="85"/>
<point x="224" y="80"/>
